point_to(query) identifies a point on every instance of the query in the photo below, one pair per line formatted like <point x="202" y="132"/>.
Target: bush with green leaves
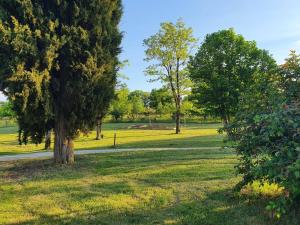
<point x="266" y="130"/>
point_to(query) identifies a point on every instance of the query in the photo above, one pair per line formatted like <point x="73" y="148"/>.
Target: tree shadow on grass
<point x="119" y="164"/>
<point x="216" y="208"/>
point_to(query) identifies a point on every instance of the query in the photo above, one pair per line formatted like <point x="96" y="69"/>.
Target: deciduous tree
<point x="169" y="50"/>
<point x="223" y="68"/>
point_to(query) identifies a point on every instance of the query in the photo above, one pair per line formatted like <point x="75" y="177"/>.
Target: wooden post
<point x="150" y="122"/>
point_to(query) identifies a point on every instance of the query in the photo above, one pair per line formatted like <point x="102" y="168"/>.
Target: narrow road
<point x="40" y="155"/>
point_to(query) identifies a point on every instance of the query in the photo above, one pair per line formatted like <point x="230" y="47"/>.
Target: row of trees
<point x="221" y="70"/>
<point x="137" y="105"/>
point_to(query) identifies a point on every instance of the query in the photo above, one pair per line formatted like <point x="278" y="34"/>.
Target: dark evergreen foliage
<point x="58" y="63"/>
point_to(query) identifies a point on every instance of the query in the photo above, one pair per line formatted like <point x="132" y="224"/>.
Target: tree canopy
<point x="223" y="68"/>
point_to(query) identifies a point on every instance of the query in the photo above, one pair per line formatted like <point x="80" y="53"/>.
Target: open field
<point x="194" y="135"/>
<point x="169" y="187"/>
<point x="190" y="187"/>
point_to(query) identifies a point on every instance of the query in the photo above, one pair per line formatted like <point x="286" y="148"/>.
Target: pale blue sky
<point x="273" y="24"/>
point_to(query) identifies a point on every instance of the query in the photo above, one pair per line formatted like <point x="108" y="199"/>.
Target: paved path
<point x="39" y="155"/>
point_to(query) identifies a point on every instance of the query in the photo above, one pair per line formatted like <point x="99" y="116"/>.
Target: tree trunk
<point x="99" y="129"/>
<point x="63" y="145"/>
<point x="177" y="122"/>
<point x="226" y="120"/>
<point x="178" y="114"/>
<point x="48" y="140"/>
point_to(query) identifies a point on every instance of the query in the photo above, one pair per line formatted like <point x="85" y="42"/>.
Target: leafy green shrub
<point x="266" y="130"/>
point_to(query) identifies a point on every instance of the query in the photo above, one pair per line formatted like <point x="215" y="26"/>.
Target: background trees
<point x="121" y="106"/>
<point x="55" y="55"/>
<point x="139" y="100"/>
<point x="161" y="101"/>
<point x="169" y="49"/>
<point x="6" y="110"/>
<point x="223" y="68"/>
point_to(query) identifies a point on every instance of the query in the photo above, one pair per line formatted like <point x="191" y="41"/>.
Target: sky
<point x="273" y="24"/>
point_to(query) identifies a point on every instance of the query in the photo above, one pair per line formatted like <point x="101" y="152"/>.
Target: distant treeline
<point x="157" y="105"/>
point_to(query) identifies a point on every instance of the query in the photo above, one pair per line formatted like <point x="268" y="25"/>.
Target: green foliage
<point x="222" y="70"/>
<point x="58" y="62"/>
<point x="139" y="101"/>
<point x="187" y="107"/>
<point x="262" y="190"/>
<point x="137" y="106"/>
<point x="6" y="110"/>
<point x="121" y="106"/>
<point x="161" y="101"/>
<point x="169" y="51"/>
<point x="290" y="76"/>
<point x="266" y="130"/>
<point x="170" y="48"/>
<point x="144" y="96"/>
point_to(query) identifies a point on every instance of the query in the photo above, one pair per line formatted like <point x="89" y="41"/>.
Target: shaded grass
<point x="194" y="135"/>
<point x="167" y="187"/>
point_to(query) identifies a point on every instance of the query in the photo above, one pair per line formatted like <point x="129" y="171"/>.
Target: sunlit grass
<point x="194" y="135"/>
<point x="167" y="187"/>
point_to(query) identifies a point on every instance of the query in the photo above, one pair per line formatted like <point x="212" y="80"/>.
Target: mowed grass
<point x="169" y="187"/>
<point x="193" y="135"/>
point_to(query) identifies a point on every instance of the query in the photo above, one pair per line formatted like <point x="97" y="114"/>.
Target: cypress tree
<point x="58" y="65"/>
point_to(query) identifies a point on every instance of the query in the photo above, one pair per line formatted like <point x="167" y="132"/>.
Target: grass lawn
<point x="194" y="135"/>
<point x="169" y="187"/>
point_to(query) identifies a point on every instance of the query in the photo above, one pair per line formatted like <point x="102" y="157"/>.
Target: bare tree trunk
<point x="178" y="114"/>
<point x="48" y="140"/>
<point x="99" y="129"/>
<point x="177" y="122"/>
<point x="226" y="120"/>
<point x="63" y="145"/>
<point x="178" y="103"/>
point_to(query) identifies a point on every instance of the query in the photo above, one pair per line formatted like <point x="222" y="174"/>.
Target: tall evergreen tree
<point x="57" y="59"/>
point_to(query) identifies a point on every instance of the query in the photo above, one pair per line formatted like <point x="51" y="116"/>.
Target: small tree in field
<point x="57" y="58"/>
<point x="169" y="49"/>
